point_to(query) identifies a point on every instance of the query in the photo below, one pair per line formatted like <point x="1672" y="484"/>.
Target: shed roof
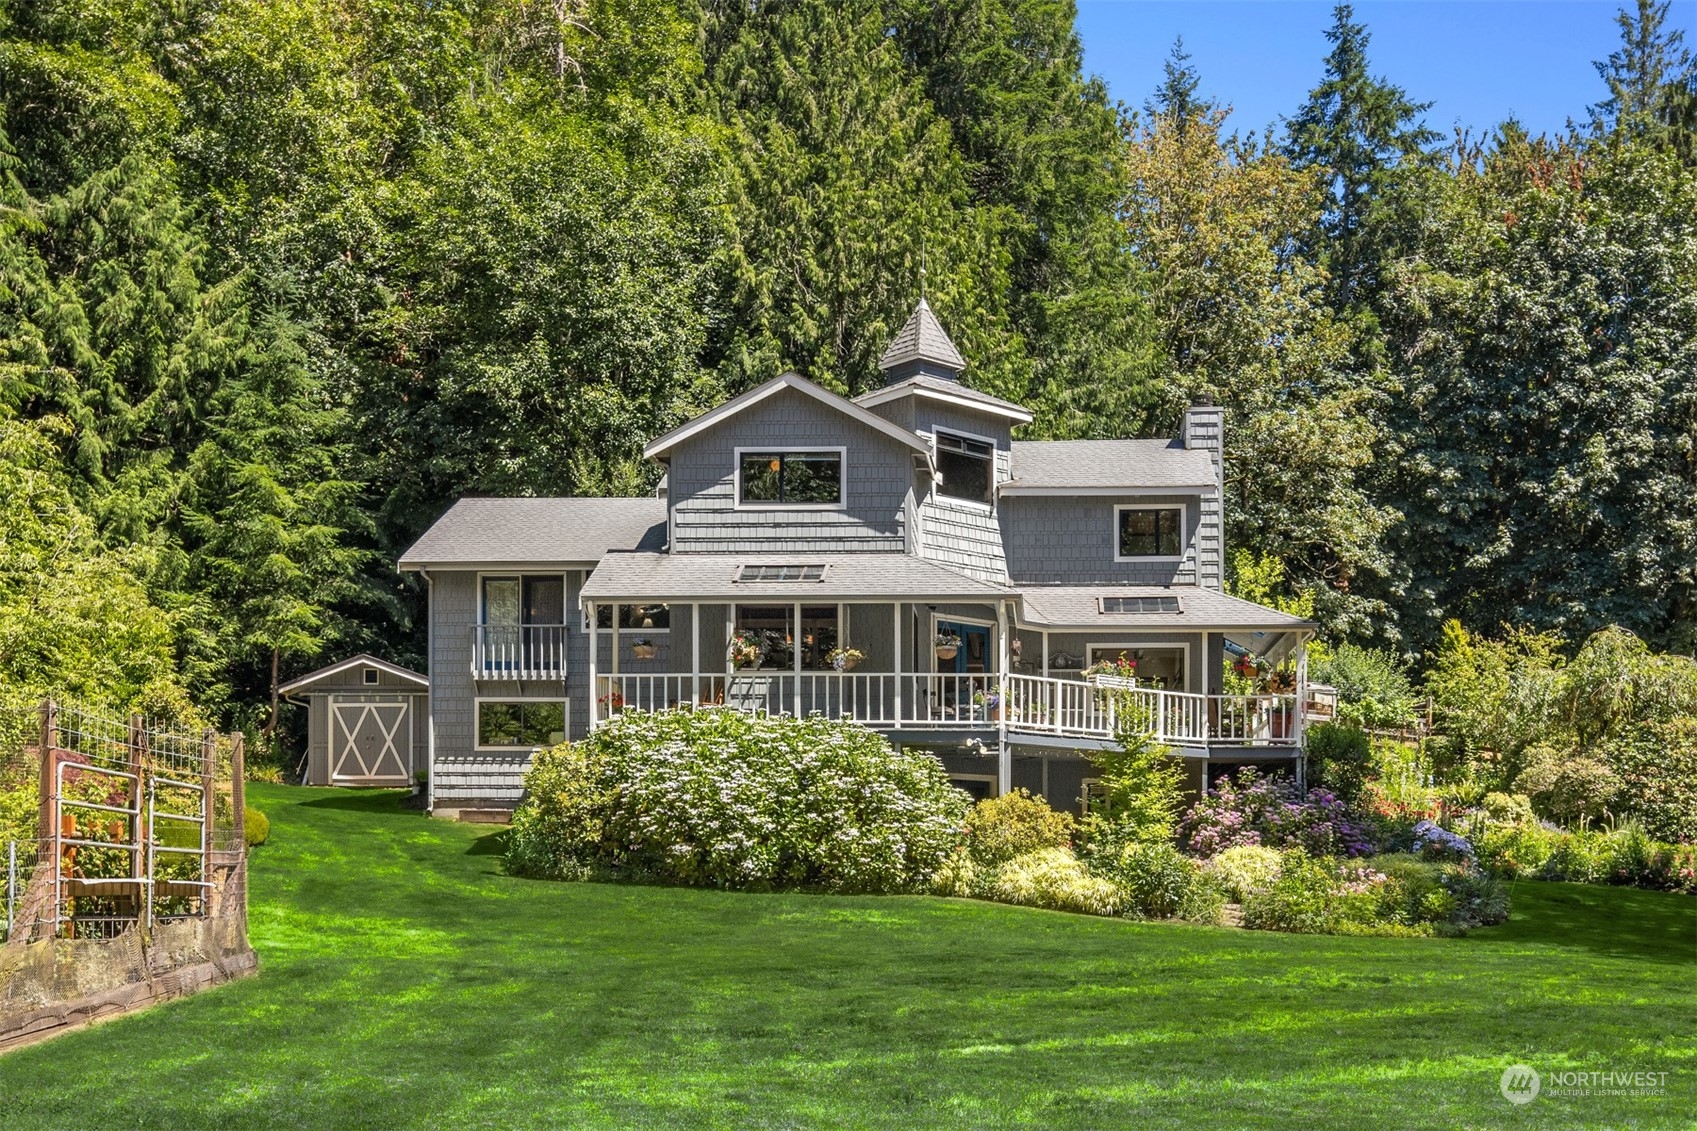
<point x="1078" y="606"/>
<point x="363" y="660"/>
<point x="498" y="532"/>
<point x="845" y="577"/>
<point x="1054" y="466"/>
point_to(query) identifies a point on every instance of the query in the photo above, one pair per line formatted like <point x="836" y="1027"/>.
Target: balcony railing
<point x="1032" y="705"/>
<point x="518" y="651"/>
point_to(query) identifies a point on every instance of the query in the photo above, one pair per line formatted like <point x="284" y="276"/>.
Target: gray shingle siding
<point x="706" y="519"/>
<point x="1073" y="541"/>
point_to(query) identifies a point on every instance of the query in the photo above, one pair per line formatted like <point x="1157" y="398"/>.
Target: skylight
<point x="781" y="573"/>
<point x="1140" y="605"/>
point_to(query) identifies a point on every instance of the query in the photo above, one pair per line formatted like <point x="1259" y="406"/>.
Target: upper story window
<point x="798" y="478"/>
<point x="531" y="599"/>
<point x="1149" y="532"/>
<point x="967" y="467"/>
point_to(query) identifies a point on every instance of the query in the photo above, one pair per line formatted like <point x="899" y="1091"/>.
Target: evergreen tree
<point x="1362" y="131"/>
<point x="1652" y="82"/>
<point x="1176" y="97"/>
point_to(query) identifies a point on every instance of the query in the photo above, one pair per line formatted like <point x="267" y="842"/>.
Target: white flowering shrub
<point x="727" y="799"/>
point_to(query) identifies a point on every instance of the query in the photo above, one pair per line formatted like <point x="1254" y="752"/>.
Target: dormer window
<point x="790" y="478"/>
<point x="1149" y="533"/>
<point x="966" y="466"/>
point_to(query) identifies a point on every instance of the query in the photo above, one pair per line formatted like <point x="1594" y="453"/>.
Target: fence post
<point x="140" y="863"/>
<point x="47" y="849"/>
<point x="209" y="810"/>
<point x="238" y="788"/>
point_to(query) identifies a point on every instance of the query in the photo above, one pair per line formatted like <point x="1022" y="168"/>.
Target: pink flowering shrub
<point x="1250" y="809"/>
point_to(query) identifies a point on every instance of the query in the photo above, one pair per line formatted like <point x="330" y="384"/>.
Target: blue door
<point x="974" y="654"/>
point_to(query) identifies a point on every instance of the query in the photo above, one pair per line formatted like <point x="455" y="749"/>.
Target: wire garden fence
<point x="110" y="822"/>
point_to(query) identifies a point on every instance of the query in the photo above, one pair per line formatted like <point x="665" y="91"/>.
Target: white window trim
<point x="937" y="498"/>
<point x="370" y="677"/>
<point x="989" y="779"/>
<point x="520" y="575"/>
<point x="1139" y="645"/>
<point x="790" y="450"/>
<point x="476" y="722"/>
<point x="1183" y="510"/>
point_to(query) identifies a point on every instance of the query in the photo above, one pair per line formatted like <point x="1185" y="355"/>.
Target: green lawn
<point x="405" y="981"/>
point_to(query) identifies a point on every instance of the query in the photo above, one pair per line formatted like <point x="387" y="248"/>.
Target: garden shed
<point x="367" y="722"/>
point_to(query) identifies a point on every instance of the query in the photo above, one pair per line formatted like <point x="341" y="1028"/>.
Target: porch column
<point x="896" y="636"/>
<point x="695" y="649"/>
<point x="594" y="648"/>
<point x="795" y="660"/>
<point x="1045" y="653"/>
<point x="1004" y="760"/>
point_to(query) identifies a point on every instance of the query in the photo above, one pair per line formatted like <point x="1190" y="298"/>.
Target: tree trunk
<point x="271" y="723"/>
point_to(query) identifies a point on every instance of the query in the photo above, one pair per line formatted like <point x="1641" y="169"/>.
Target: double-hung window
<point x="790" y="478"/>
<point x="1149" y="532"/>
<point x="967" y="467"/>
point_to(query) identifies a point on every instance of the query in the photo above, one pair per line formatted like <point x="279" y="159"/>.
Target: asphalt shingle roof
<point x="922" y="338"/>
<point x="1076" y="605"/>
<point x="493" y="531"/>
<point x="846" y="577"/>
<point x="1092" y="464"/>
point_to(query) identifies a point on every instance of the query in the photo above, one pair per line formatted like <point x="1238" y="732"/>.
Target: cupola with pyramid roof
<point x="921" y="348"/>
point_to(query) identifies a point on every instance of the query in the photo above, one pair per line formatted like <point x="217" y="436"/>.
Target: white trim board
<point x="659" y="447"/>
<point x="361" y="660"/>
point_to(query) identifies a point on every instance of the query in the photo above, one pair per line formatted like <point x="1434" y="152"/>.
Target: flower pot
<point x="948" y="652"/>
<point x="849" y="665"/>
<point x="642" y="651"/>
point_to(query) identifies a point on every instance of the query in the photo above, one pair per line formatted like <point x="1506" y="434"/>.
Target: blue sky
<point x="1477" y="61"/>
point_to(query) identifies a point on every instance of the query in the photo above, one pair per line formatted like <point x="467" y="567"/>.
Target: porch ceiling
<point x="847" y="577"/>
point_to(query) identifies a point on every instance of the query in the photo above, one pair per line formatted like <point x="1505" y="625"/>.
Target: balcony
<point x="1030" y="706"/>
<point x="515" y="651"/>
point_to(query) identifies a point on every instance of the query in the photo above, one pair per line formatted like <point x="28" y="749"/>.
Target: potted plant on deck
<point x="844" y="659"/>
<point x="993" y="700"/>
<point x="947" y="645"/>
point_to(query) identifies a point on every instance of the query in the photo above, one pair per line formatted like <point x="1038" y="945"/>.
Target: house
<point x="976" y="575"/>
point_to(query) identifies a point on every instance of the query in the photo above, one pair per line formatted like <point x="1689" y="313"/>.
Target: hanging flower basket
<point x="642" y="649"/>
<point x="844" y="659"/>
<point x="744" y="650"/>
<point x="947" y="645"/>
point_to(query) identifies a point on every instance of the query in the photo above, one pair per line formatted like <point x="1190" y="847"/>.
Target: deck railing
<point x="1034" y="705"/>
<point x="518" y="651"/>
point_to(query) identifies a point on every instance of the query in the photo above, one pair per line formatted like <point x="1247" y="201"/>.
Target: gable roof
<point x="754" y="396"/>
<point x="922" y="338"/>
<point x="498" y="532"/>
<point x="949" y="392"/>
<point x="363" y="660"/>
<point x="846" y="576"/>
<point x="1104" y="466"/>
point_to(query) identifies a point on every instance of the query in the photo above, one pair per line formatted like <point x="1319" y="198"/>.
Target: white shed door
<point x="369" y="743"/>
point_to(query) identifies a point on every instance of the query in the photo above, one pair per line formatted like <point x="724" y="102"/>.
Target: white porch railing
<point x="518" y="651"/>
<point x="1033" y="705"/>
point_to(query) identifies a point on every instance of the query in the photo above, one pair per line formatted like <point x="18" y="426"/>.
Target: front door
<point x="974" y="653"/>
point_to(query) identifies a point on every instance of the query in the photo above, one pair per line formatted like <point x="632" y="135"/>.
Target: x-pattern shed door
<point x="368" y="742"/>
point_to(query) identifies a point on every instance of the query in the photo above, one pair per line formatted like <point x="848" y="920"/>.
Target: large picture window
<point x="520" y="724"/>
<point x="790" y="478"/>
<point x="967" y="467"/>
<point x="1150" y="532"/>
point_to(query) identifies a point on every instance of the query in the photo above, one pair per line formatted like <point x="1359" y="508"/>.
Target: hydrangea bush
<point x="727" y="799"/>
<point x="1254" y="810"/>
